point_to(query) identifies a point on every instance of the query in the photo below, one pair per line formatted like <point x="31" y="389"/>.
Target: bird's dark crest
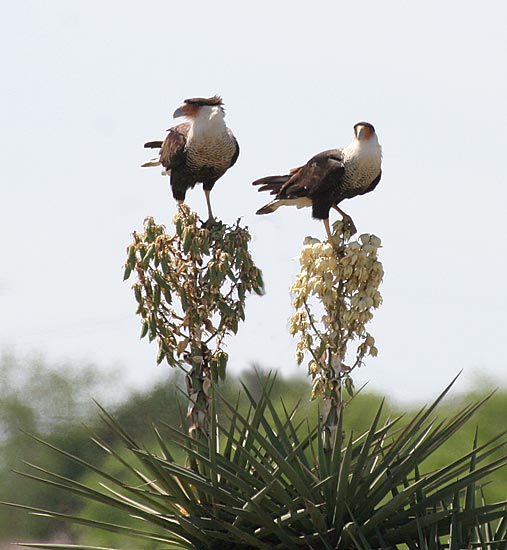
<point x="211" y="101"/>
<point x="367" y="124"/>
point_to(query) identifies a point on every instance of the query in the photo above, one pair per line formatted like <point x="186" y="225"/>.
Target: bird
<point x="200" y="150"/>
<point x="328" y="178"/>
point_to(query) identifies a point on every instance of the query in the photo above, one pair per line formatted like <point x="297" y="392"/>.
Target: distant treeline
<point x="56" y="404"/>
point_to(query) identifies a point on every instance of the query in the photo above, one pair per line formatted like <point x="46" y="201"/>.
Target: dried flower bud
<point x="191" y="285"/>
<point x="310" y="241"/>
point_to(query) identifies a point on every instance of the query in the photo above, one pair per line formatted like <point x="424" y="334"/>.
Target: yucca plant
<point x="269" y="478"/>
<point x="266" y="481"/>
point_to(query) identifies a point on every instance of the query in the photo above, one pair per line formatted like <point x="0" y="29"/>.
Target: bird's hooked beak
<point x="363" y="131"/>
<point x="179" y="112"/>
<point x="187" y="109"/>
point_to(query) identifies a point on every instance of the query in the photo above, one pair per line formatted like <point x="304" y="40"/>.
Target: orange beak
<point x="187" y="109"/>
<point x="363" y="133"/>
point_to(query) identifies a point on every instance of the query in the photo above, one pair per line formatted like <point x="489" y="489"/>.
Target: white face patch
<point x="208" y="125"/>
<point x="209" y="114"/>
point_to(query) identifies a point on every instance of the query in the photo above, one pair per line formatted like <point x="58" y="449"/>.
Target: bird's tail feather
<point x="269" y="208"/>
<point x="152" y="162"/>
<point x="272" y="184"/>
<point x="153" y="144"/>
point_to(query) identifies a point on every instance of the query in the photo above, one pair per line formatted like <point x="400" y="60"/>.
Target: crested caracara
<point x="329" y="177"/>
<point x="198" y="151"/>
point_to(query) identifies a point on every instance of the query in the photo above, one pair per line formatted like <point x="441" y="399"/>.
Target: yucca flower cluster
<point x="335" y="293"/>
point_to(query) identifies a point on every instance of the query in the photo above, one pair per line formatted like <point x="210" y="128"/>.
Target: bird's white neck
<point x="364" y="149"/>
<point x="209" y="124"/>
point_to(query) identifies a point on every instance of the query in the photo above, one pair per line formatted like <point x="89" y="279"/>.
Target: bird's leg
<point x="347" y="220"/>
<point x="328" y="231"/>
<point x="207" y="192"/>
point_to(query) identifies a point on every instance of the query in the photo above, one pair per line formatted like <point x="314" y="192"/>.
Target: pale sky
<point x="84" y="84"/>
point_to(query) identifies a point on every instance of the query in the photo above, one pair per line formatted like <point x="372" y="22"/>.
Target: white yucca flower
<point x="334" y="295"/>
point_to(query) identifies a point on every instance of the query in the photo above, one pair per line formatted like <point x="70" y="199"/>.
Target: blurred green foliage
<point x="46" y="401"/>
<point x="55" y="402"/>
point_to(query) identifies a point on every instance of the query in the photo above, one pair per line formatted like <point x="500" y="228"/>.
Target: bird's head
<point x="200" y="107"/>
<point x="364" y="131"/>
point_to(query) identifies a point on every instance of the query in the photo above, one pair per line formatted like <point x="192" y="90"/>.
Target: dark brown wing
<point x="317" y="177"/>
<point x="294" y="170"/>
<point x="172" y="153"/>
<point x="236" y="152"/>
<point x="373" y="184"/>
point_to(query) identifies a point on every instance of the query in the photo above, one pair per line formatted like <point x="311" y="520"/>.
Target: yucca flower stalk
<point x="191" y="288"/>
<point x="335" y="293"/>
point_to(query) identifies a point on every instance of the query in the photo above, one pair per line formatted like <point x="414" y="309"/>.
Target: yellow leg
<point x="208" y="202"/>
<point x="328" y="230"/>
<point x="347" y="220"/>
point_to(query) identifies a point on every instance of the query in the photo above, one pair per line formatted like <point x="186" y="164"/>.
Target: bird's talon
<point x="348" y="224"/>
<point x="350" y="227"/>
<point x="210" y="222"/>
